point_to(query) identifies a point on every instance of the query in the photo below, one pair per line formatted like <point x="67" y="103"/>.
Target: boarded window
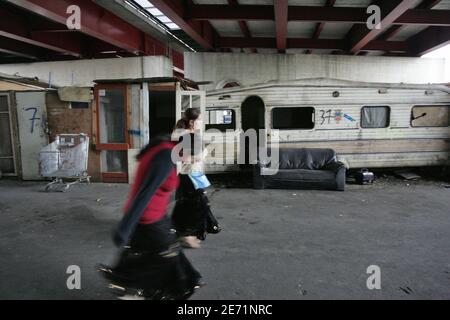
<point x="79" y="105"/>
<point x="375" y="117"/>
<point x="222" y="119"/>
<point x="6" y="147"/>
<point x="293" y="118"/>
<point x="430" y="116"/>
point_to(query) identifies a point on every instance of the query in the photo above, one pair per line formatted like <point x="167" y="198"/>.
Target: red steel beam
<point x="18" y="49"/>
<point x="394" y="30"/>
<point x="314" y="14"/>
<point x="428" y="4"/>
<point x="360" y="36"/>
<point x="321" y="25"/>
<point x="96" y="21"/>
<point x="242" y="24"/>
<point x="281" y="20"/>
<point x="14" y="27"/>
<point x="201" y="32"/>
<point x="308" y="43"/>
<point x="429" y="40"/>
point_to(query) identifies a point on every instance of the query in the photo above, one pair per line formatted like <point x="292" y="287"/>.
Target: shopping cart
<point x="65" y="159"/>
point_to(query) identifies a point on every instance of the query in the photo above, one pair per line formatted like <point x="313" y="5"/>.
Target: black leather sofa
<point x="304" y="168"/>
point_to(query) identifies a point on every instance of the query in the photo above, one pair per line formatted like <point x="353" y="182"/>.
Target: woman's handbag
<point x="199" y="180"/>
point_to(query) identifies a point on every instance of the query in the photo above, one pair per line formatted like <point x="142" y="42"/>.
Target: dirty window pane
<point x="5" y="136"/>
<point x="375" y="117"/>
<point x="220" y="119"/>
<point x="185" y="103"/>
<point x="196" y="102"/>
<point x="3" y="104"/>
<point x="7" y="165"/>
<point x="112" y="116"/>
<point x="293" y="118"/>
<point x="114" y="161"/>
<point x="430" y="116"/>
<point x="79" y="105"/>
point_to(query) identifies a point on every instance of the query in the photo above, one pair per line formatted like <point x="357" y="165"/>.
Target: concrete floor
<point x="276" y="244"/>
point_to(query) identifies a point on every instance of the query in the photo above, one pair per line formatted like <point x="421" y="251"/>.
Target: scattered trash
<point x="407" y="175"/>
<point x="364" y="177"/>
<point x="406" y="290"/>
<point x="99" y="199"/>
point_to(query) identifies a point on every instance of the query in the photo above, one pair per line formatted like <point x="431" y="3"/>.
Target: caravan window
<point x="293" y="118"/>
<point x="375" y="117"/>
<point x="430" y="116"/>
<point x="221" y="119"/>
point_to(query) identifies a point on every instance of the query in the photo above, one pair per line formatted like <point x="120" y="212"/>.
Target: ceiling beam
<point x="281" y="20"/>
<point x="242" y="24"/>
<point x="321" y="25"/>
<point x="308" y="43"/>
<point x="14" y="27"/>
<point x="394" y="30"/>
<point x="202" y="32"/>
<point x="96" y="21"/>
<point x="429" y="40"/>
<point x="418" y="16"/>
<point x="18" y="49"/>
<point x="360" y="36"/>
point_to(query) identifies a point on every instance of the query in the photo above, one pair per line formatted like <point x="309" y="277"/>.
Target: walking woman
<point x="192" y="217"/>
<point x="152" y="264"/>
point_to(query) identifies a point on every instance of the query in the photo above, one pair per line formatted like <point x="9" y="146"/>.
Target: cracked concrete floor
<point x="275" y="244"/>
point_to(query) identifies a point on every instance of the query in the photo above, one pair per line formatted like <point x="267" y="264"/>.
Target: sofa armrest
<point x="334" y="166"/>
<point x="340" y="170"/>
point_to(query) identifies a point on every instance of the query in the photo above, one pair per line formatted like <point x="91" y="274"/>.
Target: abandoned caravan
<point x="369" y="125"/>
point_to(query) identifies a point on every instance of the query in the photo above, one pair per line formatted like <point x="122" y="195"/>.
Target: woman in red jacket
<point x="152" y="264"/>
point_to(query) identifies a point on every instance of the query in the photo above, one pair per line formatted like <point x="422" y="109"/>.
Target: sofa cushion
<point x="305" y="158"/>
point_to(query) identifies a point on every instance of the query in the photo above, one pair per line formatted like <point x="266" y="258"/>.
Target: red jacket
<point x="157" y="206"/>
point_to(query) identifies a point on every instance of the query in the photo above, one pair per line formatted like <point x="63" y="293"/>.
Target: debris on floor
<point x="407" y="175"/>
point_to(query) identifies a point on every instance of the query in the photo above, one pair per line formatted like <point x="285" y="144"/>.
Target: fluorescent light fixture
<point x="164" y="19"/>
<point x="143" y="3"/>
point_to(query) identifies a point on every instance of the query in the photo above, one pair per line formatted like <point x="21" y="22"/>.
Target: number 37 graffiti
<point x="326" y="116"/>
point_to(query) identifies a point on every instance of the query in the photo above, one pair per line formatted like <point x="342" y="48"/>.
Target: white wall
<point x="257" y="68"/>
<point x="84" y="72"/>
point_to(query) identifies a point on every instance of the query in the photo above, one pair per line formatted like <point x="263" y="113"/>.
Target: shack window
<point x="293" y="118"/>
<point x="79" y="105"/>
<point x="223" y="119"/>
<point x="430" y="116"/>
<point x="375" y="117"/>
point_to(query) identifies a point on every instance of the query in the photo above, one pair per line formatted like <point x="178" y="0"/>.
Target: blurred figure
<point x="152" y="264"/>
<point x="192" y="217"/>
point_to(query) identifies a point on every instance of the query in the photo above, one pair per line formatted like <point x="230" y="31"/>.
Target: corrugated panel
<point x="298" y="29"/>
<point x="353" y="3"/>
<point x="335" y="30"/>
<point x="406" y="32"/>
<point x="267" y="2"/>
<point x="262" y="28"/>
<point x="227" y="28"/>
<point x="210" y="1"/>
<point x="314" y="3"/>
<point x="443" y="5"/>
